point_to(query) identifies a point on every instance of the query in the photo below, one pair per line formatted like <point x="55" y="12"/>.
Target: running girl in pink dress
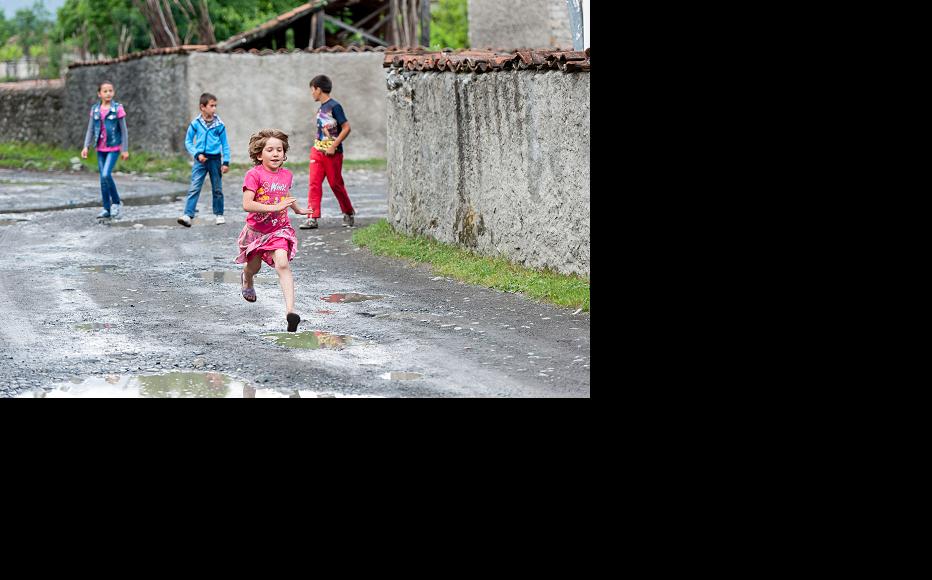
<point x="268" y="236"/>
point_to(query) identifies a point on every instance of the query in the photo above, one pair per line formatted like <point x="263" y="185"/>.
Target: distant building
<point x="19" y="70"/>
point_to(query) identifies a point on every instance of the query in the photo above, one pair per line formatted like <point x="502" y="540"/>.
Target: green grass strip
<point x="454" y="262"/>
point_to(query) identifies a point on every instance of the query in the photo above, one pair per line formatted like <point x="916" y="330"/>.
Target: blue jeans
<point x="198" y="175"/>
<point x="108" y="191"/>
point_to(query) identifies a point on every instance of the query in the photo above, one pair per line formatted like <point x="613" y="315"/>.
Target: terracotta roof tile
<point x="471" y="60"/>
<point x="188" y="48"/>
<point x="265" y="51"/>
<point x="414" y="59"/>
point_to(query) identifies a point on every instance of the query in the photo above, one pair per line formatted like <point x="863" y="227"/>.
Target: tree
<point x="109" y="27"/>
<point x="177" y="22"/>
<point x="31" y="26"/>
<point x="162" y="27"/>
<point x="10" y="52"/>
<point x="198" y="16"/>
<point x="5" y="28"/>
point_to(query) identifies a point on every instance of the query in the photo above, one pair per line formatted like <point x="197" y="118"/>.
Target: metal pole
<point x="576" y="23"/>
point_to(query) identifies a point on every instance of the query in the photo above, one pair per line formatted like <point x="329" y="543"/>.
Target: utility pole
<point x="576" y="23"/>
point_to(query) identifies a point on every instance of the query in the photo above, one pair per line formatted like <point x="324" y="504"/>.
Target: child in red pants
<point x="327" y="154"/>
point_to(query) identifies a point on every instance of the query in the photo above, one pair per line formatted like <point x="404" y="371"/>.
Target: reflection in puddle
<point x="400" y="376"/>
<point x="231" y="278"/>
<point x="94" y="326"/>
<point x="98" y="269"/>
<point x="350" y="297"/>
<point x="310" y="340"/>
<point x="11" y="222"/>
<point x="154" y="222"/>
<point x="251" y="393"/>
<point x="325" y="311"/>
<point x="172" y="386"/>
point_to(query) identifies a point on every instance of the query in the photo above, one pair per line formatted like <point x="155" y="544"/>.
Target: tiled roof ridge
<point x="187" y="49"/>
<point x="409" y="58"/>
<point x="487" y="60"/>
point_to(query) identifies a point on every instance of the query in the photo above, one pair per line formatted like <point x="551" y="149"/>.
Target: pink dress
<point x="266" y="232"/>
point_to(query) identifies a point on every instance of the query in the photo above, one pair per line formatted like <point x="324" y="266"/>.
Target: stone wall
<point x="152" y="90"/>
<point x="31" y="111"/>
<point x="497" y="162"/>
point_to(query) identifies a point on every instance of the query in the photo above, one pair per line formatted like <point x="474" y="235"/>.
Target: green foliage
<point x="51" y="67"/>
<point x="27" y="31"/>
<point x="6" y="28"/>
<point x="96" y="26"/>
<point x="104" y="27"/>
<point x="11" y="52"/>
<point x="449" y="25"/>
<point x="31" y="26"/>
<point x="231" y="17"/>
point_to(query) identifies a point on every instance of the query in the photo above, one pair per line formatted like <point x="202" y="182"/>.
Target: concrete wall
<point x="271" y="91"/>
<point x="254" y="92"/>
<point x="152" y="90"/>
<point x="497" y="162"/>
<point x="31" y="114"/>
<point x="519" y="24"/>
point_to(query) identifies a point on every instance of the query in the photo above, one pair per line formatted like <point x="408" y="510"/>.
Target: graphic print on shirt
<point x="327" y="130"/>
<point x="270" y="194"/>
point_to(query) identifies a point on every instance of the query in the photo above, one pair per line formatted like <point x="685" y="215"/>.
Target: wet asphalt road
<point x="143" y="296"/>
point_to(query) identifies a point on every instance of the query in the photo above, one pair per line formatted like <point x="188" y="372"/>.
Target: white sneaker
<point x="221" y="220"/>
<point x="185" y="221"/>
<point x="116" y="210"/>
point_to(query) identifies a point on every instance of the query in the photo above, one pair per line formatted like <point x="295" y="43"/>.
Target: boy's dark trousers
<point x="198" y="175"/>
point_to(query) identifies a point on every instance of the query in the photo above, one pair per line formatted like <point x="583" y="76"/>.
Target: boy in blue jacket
<point x="206" y="141"/>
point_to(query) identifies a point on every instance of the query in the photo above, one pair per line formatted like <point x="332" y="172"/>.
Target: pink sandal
<point x="248" y="293"/>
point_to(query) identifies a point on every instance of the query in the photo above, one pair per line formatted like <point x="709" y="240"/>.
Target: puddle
<point x="401" y="376"/>
<point x="251" y="393"/>
<point x="309" y="340"/>
<point x="95" y="326"/>
<point x="232" y="278"/>
<point x="152" y="223"/>
<point x="170" y="386"/>
<point x="179" y="385"/>
<point x="351" y="297"/>
<point x="99" y="269"/>
<point x="325" y="311"/>
<point x="12" y="222"/>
